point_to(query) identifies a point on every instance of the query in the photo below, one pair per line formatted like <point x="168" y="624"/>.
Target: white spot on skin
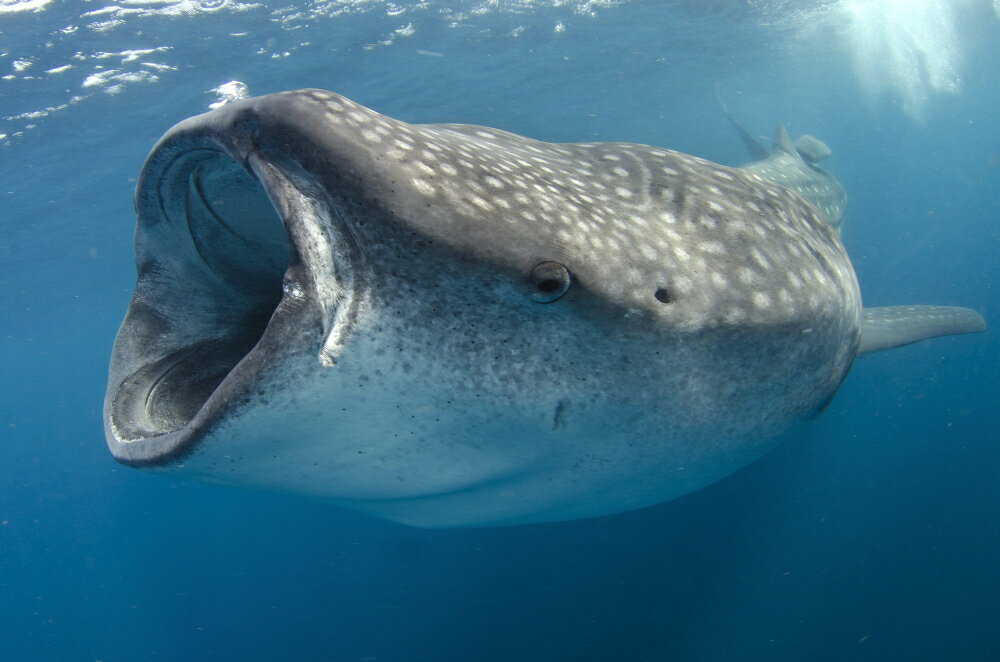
<point x="682" y="284"/>
<point x="735" y="316"/>
<point x="423" y="187"/>
<point x="759" y="258"/>
<point x="480" y="202"/>
<point x="761" y="300"/>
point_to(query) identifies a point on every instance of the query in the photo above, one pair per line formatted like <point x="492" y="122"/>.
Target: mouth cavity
<point x="212" y="255"/>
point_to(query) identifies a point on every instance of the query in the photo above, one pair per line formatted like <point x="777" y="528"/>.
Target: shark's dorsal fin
<point x="893" y="326"/>
<point x="782" y="143"/>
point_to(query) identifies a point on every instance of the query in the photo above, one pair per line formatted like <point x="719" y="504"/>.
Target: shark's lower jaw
<point x="211" y="268"/>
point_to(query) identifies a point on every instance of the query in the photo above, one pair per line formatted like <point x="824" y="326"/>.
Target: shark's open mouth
<point x="211" y="264"/>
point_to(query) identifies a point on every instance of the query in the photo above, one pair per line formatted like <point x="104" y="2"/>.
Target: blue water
<point x="873" y="536"/>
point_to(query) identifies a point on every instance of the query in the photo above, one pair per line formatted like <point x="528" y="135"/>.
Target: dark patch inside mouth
<point x="212" y="253"/>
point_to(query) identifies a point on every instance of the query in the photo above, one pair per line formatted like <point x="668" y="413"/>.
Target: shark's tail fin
<point x="893" y="326"/>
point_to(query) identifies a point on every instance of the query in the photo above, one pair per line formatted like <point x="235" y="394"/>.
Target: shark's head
<point x="448" y="324"/>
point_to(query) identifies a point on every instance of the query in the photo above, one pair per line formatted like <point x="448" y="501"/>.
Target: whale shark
<point x="449" y="325"/>
<point x="794" y="165"/>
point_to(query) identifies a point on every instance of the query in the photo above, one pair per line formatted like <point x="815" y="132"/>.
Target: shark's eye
<point x="548" y="282"/>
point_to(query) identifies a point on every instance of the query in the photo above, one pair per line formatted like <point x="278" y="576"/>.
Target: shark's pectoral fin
<point x="893" y="326"/>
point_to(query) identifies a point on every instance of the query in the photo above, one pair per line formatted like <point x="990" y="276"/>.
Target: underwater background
<point x="874" y="535"/>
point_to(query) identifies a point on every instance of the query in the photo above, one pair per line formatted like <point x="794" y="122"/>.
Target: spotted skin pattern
<point x="709" y="233"/>
<point x="451" y="325"/>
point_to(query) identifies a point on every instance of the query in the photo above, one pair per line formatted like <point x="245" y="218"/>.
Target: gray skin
<point x="449" y="325"/>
